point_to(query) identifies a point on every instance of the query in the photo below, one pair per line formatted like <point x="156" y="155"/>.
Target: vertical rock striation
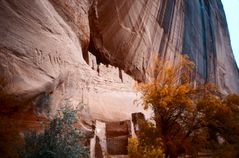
<point x="45" y="59"/>
<point x="139" y="30"/>
<point x="207" y="42"/>
<point x="136" y="32"/>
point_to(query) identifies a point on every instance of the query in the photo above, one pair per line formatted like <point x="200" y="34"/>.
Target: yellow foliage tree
<point x="186" y="116"/>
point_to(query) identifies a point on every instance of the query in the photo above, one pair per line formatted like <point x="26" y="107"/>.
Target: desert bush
<point x="62" y="139"/>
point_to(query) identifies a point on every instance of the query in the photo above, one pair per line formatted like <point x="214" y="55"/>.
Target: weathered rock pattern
<point x="42" y="68"/>
<point x="42" y="62"/>
<point x="43" y="43"/>
<point x="45" y="61"/>
<point x="141" y="29"/>
<point x="206" y="41"/>
<point x="138" y="31"/>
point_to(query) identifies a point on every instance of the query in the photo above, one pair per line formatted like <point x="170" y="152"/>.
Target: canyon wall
<point x="42" y="50"/>
<point x="44" y="47"/>
<point x="65" y="52"/>
<point x="206" y="40"/>
<point x="139" y="30"/>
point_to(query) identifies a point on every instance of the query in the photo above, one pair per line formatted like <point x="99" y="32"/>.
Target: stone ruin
<point x="111" y="138"/>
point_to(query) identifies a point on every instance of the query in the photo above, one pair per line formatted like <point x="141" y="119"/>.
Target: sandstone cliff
<point x="45" y="45"/>
<point x="45" y="42"/>
<point x="139" y="29"/>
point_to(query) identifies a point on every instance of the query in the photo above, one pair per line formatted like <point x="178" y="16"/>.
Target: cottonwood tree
<point x="187" y="119"/>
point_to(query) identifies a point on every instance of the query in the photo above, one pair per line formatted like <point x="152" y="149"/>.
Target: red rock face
<point x="45" y="61"/>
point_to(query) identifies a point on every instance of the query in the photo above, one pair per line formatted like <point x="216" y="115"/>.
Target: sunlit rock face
<point x="45" y="64"/>
<point x="38" y="50"/>
<point x="45" y="61"/>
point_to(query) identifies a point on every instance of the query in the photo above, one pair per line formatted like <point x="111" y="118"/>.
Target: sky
<point x="231" y="8"/>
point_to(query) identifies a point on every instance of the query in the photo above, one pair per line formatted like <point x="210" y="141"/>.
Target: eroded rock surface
<point x="44" y="45"/>
<point x="45" y="61"/>
<point x="42" y="61"/>
<point x="42" y="68"/>
<point x="139" y="30"/>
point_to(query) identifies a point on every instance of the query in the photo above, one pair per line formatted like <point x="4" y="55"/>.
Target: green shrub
<point x="61" y="140"/>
